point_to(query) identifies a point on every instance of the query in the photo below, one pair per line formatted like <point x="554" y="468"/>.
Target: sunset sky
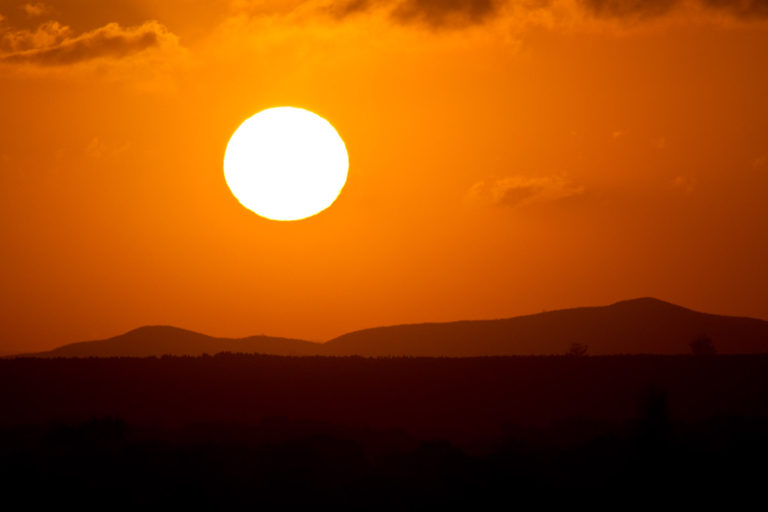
<point x="505" y="157"/>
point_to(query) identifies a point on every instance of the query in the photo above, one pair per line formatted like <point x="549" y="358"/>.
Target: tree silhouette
<point x="703" y="346"/>
<point x="577" y="350"/>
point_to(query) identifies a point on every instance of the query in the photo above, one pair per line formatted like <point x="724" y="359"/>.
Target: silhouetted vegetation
<point x="449" y="397"/>
<point x="703" y="346"/>
<point x="230" y="430"/>
<point x="577" y="350"/>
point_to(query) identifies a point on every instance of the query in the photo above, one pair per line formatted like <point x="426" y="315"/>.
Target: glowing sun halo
<point x="286" y="163"/>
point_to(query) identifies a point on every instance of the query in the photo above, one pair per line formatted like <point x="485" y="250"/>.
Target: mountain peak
<point x="644" y="300"/>
<point x="163" y="330"/>
<point x="647" y="302"/>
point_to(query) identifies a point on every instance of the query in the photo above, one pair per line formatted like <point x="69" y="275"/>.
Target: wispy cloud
<point x="686" y="184"/>
<point x="35" y="9"/>
<point x="53" y="44"/>
<point x="439" y="14"/>
<point x="445" y="13"/>
<point x="628" y="8"/>
<point x="47" y="35"/>
<point x="518" y="191"/>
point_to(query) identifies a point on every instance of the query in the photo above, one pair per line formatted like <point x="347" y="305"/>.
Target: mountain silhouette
<point x="165" y="340"/>
<point x="638" y="326"/>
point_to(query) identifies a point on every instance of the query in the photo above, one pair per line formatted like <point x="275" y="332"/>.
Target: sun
<point x="286" y="163"/>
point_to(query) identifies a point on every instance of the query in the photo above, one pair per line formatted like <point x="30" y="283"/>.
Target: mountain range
<point x="638" y="326"/>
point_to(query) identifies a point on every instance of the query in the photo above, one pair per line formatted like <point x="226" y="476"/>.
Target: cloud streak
<point x="54" y="45"/>
<point x="740" y="8"/>
<point x="447" y="14"/>
<point x="519" y="191"/>
<point x="34" y="9"/>
<point x="435" y="14"/>
<point x="48" y="34"/>
<point x="744" y="9"/>
<point x="628" y="8"/>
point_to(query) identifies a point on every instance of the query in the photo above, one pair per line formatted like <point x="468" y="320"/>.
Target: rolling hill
<point x="162" y="340"/>
<point x="638" y="326"/>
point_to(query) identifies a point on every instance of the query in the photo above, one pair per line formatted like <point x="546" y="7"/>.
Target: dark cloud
<point x="50" y="33"/>
<point x="628" y="8"/>
<point x="343" y="10"/>
<point x="80" y="15"/>
<point x="623" y="9"/>
<point x="445" y="13"/>
<point x="109" y="41"/>
<point x="740" y="8"/>
<point x="438" y="14"/>
<point x="652" y="8"/>
<point x="431" y="13"/>
<point x="41" y="38"/>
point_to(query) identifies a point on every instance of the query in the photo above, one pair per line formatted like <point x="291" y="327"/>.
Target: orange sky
<point x="505" y="158"/>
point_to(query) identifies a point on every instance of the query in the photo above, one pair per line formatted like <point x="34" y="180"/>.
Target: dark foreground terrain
<point x="405" y="433"/>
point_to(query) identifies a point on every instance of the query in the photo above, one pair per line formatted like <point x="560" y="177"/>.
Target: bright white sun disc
<point x="286" y="163"/>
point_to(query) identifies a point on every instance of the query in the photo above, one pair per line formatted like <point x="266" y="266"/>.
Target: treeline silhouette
<point x="242" y="430"/>
<point x="451" y="398"/>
